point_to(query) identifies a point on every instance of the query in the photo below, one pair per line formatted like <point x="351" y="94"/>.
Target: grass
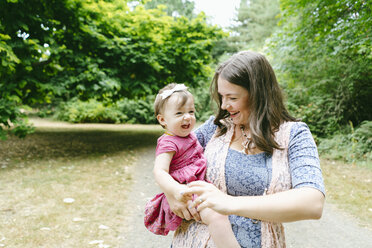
<point x="89" y="165"/>
<point x="350" y="188"/>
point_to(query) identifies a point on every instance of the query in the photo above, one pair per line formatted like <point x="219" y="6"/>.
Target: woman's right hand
<point x="180" y="204"/>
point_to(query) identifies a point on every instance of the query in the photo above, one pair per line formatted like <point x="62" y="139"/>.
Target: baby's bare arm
<point x="171" y="188"/>
<point x="220" y="228"/>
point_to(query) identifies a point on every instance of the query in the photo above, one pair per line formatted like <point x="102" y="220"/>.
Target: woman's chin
<point x="236" y="120"/>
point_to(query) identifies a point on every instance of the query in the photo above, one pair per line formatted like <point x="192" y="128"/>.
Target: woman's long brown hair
<point x="252" y="71"/>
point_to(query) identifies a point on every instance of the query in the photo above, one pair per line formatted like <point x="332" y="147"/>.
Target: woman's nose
<point x="223" y="105"/>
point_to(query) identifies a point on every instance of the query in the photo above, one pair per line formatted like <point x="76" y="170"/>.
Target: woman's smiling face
<point x="235" y="100"/>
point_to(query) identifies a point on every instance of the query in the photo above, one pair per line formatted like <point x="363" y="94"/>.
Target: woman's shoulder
<point x="210" y="119"/>
<point x="300" y="137"/>
<point x="205" y="131"/>
<point x="299" y="128"/>
<point x="207" y="125"/>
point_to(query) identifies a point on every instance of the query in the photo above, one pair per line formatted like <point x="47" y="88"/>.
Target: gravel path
<point x="335" y="229"/>
<point x="135" y="234"/>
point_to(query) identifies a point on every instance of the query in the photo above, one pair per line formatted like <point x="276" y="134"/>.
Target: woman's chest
<point x="247" y="174"/>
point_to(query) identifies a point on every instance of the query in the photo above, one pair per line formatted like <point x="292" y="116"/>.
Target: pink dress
<point x="188" y="164"/>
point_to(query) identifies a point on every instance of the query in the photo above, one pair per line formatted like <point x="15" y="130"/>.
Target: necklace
<point x="247" y="143"/>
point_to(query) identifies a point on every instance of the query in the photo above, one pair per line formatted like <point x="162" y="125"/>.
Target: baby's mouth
<point x="186" y="126"/>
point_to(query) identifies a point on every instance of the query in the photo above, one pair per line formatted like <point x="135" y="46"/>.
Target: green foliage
<point x="313" y="115"/>
<point x="323" y="57"/>
<point x="138" y="111"/>
<point x="223" y="48"/>
<point x="203" y="102"/>
<point x="136" y="53"/>
<point x="174" y="8"/>
<point x="45" y="111"/>
<point x="13" y="119"/>
<point x="352" y="146"/>
<point x="256" y="21"/>
<point x="8" y="58"/>
<point x="25" y="29"/>
<point x="90" y="111"/>
<point x="94" y="111"/>
<point x="363" y="136"/>
<point x="104" y="50"/>
<point x="132" y="111"/>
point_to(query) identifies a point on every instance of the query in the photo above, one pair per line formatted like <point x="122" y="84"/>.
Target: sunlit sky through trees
<point x="221" y="12"/>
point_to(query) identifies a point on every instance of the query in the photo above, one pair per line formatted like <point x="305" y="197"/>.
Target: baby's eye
<point x="191" y="112"/>
<point x="179" y="113"/>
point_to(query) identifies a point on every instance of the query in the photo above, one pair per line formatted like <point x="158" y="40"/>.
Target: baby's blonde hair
<point x="160" y="102"/>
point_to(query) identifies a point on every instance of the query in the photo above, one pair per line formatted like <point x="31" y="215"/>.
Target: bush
<point x="352" y="146"/>
<point x="13" y="119"/>
<point x="90" y="111"/>
<point x="317" y="116"/>
<point x="363" y="137"/>
<point x="138" y="111"/>
<point x="203" y="104"/>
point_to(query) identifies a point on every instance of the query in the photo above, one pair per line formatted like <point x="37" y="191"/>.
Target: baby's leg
<point x="220" y="229"/>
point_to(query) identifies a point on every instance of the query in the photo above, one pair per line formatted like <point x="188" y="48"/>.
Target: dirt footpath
<point x="144" y="188"/>
<point x="335" y="229"/>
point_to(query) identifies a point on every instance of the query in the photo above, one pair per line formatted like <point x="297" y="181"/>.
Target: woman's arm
<point x="292" y="205"/>
<point x="171" y="188"/>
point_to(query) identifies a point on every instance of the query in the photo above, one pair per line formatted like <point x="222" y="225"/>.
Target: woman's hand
<point x="209" y="197"/>
<point x="181" y="205"/>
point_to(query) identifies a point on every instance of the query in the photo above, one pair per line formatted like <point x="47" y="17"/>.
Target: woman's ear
<point x="161" y="120"/>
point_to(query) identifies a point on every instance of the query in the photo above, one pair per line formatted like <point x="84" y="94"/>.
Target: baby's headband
<point x="167" y="93"/>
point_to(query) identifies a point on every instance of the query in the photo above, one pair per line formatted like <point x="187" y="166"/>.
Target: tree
<point x="324" y="55"/>
<point x="96" y="49"/>
<point x="27" y="30"/>
<point x="256" y="21"/>
<point x="175" y="8"/>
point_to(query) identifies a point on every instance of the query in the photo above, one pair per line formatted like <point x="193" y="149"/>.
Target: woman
<point x="263" y="165"/>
